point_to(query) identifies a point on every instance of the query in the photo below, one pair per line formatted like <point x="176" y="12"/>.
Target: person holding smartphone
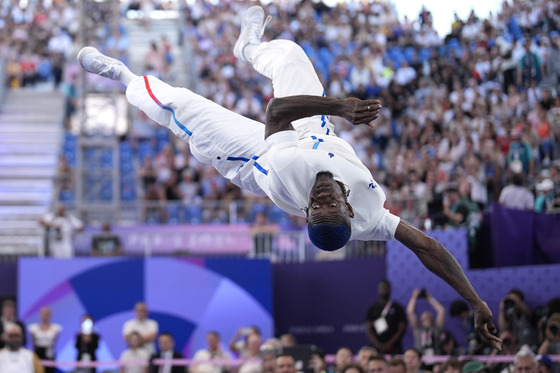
<point x="87" y="342"/>
<point x="427" y="328"/>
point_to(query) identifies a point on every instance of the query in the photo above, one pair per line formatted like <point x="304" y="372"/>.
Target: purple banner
<point x="325" y="303"/>
<point x="8" y="276"/>
<point x="173" y="239"/>
<point x="524" y="237"/>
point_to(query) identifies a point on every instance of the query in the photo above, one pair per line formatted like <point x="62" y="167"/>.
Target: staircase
<point x="30" y="134"/>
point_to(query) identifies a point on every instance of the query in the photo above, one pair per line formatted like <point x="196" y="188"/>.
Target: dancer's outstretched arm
<point x="438" y="260"/>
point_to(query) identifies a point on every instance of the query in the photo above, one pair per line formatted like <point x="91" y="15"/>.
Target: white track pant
<point x="230" y="142"/>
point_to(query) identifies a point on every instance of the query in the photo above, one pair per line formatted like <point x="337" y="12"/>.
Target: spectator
<point x="147" y="328"/>
<point x="413" y="360"/>
<point x="44" y="336"/>
<point x="364" y="355"/>
<point x="553" y="61"/>
<point x="517" y="196"/>
<point x="462" y="211"/>
<point x="520" y="157"/>
<point x="451" y="365"/>
<point x="269" y="352"/>
<point x="342" y="358"/>
<point x="133" y="354"/>
<point x="551" y="344"/>
<point x="15" y="358"/>
<point x="166" y="345"/>
<point x="510" y="347"/>
<point x="87" y="343"/>
<point x="396" y="365"/>
<point x="426" y="330"/>
<point x="70" y="101"/>
<point x="154" y="61"/>
<point x="530" y="66"/>
<point x="516" y="316"/>
<point x="252" y="352"/>
<point x="213" y="351"/>
<point x="285" y="364"/>
<point x="8" y="317"/>
<point x="238" y="344"/>
<point x="378" y="364"/>
<point x="448" y="345"/>
<point x="63" y="226"/>
<point x="288" y="340"/>
<point x="545" y="364"/>
<point x="385" y="321"/>
<point x="352" y="368"/>
<point x="106" y="243"/>
<point x="525" y="360"/>
<point x="264" y="236"/>
<point x="546" y="198"/>
<point x="147" y="173"/>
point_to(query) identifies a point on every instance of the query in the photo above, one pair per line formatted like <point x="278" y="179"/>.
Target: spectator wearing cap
<point x="473" y="366"/>
<point x="545" y="196"/>
<point x="545" y="364"/>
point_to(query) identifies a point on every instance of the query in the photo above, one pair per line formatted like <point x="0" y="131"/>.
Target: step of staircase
<point x="30" y="137"/>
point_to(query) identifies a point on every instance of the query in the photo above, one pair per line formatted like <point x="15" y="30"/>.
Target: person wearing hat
<point x="473" y="366"/>
<point x="545" y="197"/>
<point x="545" y="364"/>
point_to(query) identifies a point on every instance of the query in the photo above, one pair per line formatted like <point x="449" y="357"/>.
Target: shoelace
<point x="258" y="29"/>
<point x="266" y="21"/>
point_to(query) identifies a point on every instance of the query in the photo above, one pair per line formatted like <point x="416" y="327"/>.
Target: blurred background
<point x="466" y="148"/>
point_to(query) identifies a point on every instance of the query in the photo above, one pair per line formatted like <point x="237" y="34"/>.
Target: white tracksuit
<point x="284" y="166"/>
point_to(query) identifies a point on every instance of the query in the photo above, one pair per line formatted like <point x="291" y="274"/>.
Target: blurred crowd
<point x="472" y="111"/>
<point x="527" y="333"/>
<point x="467" y="116"/>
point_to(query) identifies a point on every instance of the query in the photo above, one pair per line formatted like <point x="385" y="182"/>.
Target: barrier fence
<point x="329" y="359"/>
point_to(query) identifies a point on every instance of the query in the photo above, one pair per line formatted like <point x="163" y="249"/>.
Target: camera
<point x="508" y="303"/>
<point x="422" y="293"/>
<point x="554" y="329"/>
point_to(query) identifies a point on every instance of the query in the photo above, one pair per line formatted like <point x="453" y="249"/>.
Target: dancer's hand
<point x="361" y="111"/>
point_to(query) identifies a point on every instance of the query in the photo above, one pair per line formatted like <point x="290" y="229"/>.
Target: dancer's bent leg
<point x="292" y="73"/>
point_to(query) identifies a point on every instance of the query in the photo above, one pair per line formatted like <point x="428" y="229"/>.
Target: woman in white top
<point x="44" y="335"/>
<point x="135" y="353"/>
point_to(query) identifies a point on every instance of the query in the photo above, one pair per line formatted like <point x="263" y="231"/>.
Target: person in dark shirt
<point x="386" y="322"/>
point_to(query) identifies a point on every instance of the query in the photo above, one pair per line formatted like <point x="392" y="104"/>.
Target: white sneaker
<point x="95" y="62"/>
<point x="252" y="30"/>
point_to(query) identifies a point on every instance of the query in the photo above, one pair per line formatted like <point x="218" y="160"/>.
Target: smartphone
<point x="246" y="331"/>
